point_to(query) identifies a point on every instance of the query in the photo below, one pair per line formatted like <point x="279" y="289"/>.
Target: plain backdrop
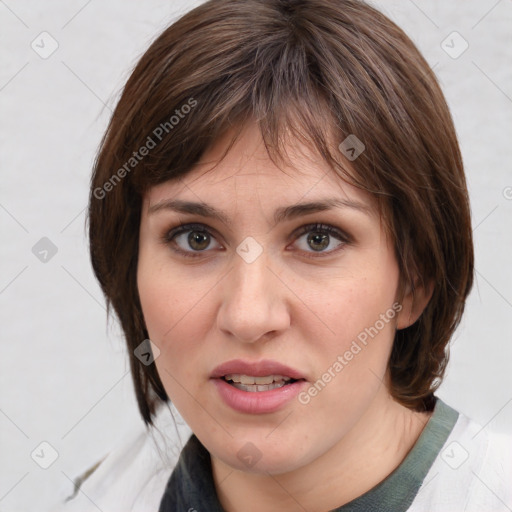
<point x="63" y="370"/>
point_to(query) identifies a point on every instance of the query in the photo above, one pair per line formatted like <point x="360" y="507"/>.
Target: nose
<point x="254" y="302"/>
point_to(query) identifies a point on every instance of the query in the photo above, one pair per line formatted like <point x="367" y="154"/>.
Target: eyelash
<point x="169" y="236"/>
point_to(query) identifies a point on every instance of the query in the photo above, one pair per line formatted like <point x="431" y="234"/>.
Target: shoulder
<point x="472" y="472"/>
<point x="133" y="475"/>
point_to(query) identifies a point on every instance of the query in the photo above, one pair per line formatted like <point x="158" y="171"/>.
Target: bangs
<point x="283" y="98"/>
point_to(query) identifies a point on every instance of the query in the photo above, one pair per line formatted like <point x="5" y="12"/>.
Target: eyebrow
<point x="281" y="214"/>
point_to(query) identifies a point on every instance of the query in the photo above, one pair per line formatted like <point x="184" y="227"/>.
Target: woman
<point x="279" y="218"/>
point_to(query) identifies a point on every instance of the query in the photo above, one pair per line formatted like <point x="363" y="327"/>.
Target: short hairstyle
<point x="321" y="70"/>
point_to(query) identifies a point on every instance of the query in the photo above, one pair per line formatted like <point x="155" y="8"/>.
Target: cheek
<point x="361" y="314"/>
<point x="174" y="324"/>
<point x="175" y="312"/>
<point x="354" y="306"/>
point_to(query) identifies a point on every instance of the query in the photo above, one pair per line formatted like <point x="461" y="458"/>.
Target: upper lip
<point x="255" y="369"/>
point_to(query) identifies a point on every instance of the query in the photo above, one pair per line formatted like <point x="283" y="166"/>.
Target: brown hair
<point x="322" y="69"/>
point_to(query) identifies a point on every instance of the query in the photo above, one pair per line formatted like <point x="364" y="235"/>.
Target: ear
<point x="414" y="303"/>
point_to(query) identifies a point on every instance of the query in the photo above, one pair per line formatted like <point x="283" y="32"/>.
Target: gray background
<point x="63" y="371"/>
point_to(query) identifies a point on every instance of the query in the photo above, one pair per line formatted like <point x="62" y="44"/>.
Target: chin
<point x="259" y="456"/>
<point x="268" y="464"/>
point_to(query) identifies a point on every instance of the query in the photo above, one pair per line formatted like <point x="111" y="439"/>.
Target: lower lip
<point x="258" y="402"/>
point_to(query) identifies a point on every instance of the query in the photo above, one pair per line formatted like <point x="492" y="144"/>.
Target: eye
<point x="190" y="239"/>
<point x="319" y="238"/>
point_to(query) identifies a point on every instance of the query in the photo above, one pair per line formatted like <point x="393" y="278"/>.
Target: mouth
<point x="257" y="384"/>
<point x="265" y="372"/>
<point x="257" y="387"/>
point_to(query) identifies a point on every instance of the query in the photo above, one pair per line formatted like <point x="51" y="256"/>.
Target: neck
<point x="373" y="448"/>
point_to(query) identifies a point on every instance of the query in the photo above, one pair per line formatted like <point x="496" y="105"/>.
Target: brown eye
<point x="319" y="238"/>
<point x="198" y="241"/>
<point x="318" y="241"/>
<point x="190" y="239"/>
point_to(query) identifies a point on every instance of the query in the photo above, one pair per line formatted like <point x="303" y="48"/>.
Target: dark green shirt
<point x="191" y="486"/>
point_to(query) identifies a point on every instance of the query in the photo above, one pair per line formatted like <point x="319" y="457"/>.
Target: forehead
<point x="246" y="171"/>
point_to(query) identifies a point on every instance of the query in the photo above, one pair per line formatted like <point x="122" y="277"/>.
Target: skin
<point x="301" y="311"/>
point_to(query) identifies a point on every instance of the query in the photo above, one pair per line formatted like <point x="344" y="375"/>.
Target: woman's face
<point x="257" y="290"/>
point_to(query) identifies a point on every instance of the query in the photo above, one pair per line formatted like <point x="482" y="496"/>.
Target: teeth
<point x="248" y="379"/>
<point x="258" y="387"/>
